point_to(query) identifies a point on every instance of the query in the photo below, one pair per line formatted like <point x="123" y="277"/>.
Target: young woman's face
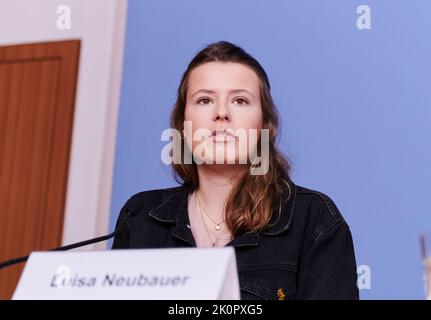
<point x="223" y="97"/>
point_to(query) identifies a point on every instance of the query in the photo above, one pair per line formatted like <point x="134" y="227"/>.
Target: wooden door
<point x="37" y="99"/>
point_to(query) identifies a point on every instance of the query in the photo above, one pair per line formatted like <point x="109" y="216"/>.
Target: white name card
<point x="165" y="274"/>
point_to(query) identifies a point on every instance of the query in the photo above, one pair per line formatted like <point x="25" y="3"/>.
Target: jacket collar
<point x="174" y="210"/>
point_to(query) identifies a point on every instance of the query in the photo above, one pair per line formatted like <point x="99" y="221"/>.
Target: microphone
<point x="132" y="210"/>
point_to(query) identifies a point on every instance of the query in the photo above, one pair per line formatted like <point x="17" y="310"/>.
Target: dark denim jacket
<point x="305" y="254"/>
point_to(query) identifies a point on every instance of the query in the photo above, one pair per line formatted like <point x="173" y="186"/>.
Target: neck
<point x="215" y="184"/>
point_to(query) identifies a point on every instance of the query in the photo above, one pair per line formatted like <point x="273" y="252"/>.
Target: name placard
<point x="189" y="273"/>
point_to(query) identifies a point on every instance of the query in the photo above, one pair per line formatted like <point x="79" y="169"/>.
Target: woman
<point x="291" y="242"/>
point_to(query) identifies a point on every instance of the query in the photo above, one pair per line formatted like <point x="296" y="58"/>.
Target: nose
<point x="222" y="114"/>
<point x="222" y="117"/>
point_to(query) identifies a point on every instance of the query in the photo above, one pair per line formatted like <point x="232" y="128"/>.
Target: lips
<point x="221" y="135"/>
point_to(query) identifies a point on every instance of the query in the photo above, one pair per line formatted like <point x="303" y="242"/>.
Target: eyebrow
<point x="235" y="91"/>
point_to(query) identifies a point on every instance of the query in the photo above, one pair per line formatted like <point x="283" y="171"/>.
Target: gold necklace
<point x="206" y="228"/>
<point x="217" y="225"/>
<point x="205" y="225"/>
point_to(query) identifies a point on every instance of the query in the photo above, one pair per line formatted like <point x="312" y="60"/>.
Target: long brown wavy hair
<point x="252" y="200"/>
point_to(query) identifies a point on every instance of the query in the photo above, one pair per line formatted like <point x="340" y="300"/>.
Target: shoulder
<point x="134" y="214"/>
<point x="318" y="200"/>
<point x="149" y="199"/>
<point x="317" y="211"/>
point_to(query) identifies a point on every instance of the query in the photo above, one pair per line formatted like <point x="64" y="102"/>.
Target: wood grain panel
<point x="37" y="98"/>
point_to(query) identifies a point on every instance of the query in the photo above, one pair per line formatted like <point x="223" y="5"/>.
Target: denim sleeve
<point x="121" y="239"/>
<point x="328" y="268"/>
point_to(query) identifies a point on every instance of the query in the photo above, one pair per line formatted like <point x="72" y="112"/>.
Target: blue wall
<point x="355" y="107"/>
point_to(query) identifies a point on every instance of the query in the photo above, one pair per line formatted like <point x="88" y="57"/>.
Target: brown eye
<point x="241" y="101"/>
<point x="204" y="100"/>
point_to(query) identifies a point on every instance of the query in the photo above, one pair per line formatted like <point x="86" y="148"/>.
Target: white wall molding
<point x="100" y="24"/>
